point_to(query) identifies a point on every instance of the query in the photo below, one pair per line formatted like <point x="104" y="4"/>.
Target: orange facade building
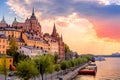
<point x="29" y="33"/>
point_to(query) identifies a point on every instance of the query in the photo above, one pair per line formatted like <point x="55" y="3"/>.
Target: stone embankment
<point x="71" y="73"/>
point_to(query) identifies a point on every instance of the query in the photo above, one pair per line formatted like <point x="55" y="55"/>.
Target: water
<point x="106" y="70"/>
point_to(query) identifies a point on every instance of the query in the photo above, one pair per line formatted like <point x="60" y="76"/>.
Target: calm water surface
<point x="106" y="70"/>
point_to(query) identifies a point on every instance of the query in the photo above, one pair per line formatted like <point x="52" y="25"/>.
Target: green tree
<point x="26" y="69"/>
<point x="67" y="50"/>
<point x="57" y="68"/>
<point x="76" y="55"/>
<point x="56" y="57"/>
<point x="44" y="63"/>
<point x="88" y="57"/>
<point x="13" y="46"/>
<point x="72" y="63"/>
<point x="65" y="65"/>
<point x="50" y="68"/>
<point x="3" y="67"/>
<point x="13" y="49"/>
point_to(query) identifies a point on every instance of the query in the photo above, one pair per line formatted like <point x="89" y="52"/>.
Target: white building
<point x="30" y="51"/>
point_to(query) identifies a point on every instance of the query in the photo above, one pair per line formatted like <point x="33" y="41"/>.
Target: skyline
<point x="90" y="26"/>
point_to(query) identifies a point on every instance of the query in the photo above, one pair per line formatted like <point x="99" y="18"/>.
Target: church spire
<point x="3" y="20"/>
<point x="33" y="12"/>
<point x="54" y="33"/>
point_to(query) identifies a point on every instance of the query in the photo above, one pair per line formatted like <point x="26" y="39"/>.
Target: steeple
<point x="33" y="14"/>
<point x="15" y="21"/>
<point x="3" y="20"/>
<point x="54" y="33"/>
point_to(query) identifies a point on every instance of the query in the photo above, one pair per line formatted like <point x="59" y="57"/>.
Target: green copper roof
<point x="15" y="21"/>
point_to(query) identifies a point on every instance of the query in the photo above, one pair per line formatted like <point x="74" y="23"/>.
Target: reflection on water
<point x="106" y="70"/>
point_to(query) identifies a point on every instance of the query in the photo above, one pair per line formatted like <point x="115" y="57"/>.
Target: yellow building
<point x="3" y="43"/>
<point x="9" y="61"/>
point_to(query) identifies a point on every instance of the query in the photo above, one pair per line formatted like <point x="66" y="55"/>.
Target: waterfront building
<point x="29" y="33"/>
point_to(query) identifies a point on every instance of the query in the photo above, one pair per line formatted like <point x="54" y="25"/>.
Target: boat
<point x="99" y="58"/>
<point x="91" y="69"/>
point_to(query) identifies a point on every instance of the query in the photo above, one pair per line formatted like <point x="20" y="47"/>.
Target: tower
<point x="15" y="21"/>
<point x="3" y="23"/>
<point x="61" y="48"/>
<point x="32" y="24"/>
<point x="33" y="15"/>
<point x="54" y="32"/>
<point x="3" y="20"/>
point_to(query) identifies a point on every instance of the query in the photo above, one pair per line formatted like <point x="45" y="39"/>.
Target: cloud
<point x="80" y="20"/>
<point x="103" y="2"/>
<point x="50" y="8"/>
<point x="80" y="35"/>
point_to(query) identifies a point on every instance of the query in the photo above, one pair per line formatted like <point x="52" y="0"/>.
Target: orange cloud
<point x="81" y="36"/>
<point x="79" y="33"/>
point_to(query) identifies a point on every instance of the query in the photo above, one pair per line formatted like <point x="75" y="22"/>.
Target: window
<point x="22" y="51"/>
<point x="3" y="40"/>
<point x="3" y="46"/>
<point x="10" y="60"/>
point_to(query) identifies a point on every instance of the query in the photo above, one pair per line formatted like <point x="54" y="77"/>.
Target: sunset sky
<point x="87" y="26"/>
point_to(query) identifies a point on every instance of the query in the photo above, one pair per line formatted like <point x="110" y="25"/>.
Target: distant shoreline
<point x="108" y="56"/>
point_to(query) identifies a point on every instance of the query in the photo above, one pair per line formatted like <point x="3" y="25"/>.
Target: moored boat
<point x="99" y="59"/>
<point x="91" y="69"/>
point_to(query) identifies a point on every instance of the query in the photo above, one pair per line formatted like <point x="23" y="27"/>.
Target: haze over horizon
<point x="90" y="26"/>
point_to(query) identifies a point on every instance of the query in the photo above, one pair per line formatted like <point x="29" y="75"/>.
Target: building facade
<point x="29" y="33"/>
<point x="30" y="51"/>
<point x="9" y="61"/>
<point x="3" y="44"/>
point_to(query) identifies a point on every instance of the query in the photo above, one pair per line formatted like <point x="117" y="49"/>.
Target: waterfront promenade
<point x="65" y="75"/>
<point x="71" y="74"/>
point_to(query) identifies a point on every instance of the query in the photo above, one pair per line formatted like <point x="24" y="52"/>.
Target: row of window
<point x="2" y="46"/>
<point x="2" y="40"/>
<point x="1" y="52"/>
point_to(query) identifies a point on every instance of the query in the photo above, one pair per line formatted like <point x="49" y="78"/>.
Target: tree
<point x="44" y="63"/>
<point x="13" y="50"/>
<point x="72" y="63"/>
<point x="56" y="57"/>
<point x="3" y="67"/>
<point x="64" y="65"/>
<point x="26" y="69"/>
<point x="50" y="69"/>
<point x="67" y="50"/>
<point x="13" y="46"/>
<point x="88" y="57"/>
<point x="46" y="34"/>
<point x="57" y="68"/>
<point x="76" y="55"/>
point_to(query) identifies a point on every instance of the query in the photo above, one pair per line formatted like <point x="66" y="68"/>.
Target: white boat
<point x="99" y="59"/>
